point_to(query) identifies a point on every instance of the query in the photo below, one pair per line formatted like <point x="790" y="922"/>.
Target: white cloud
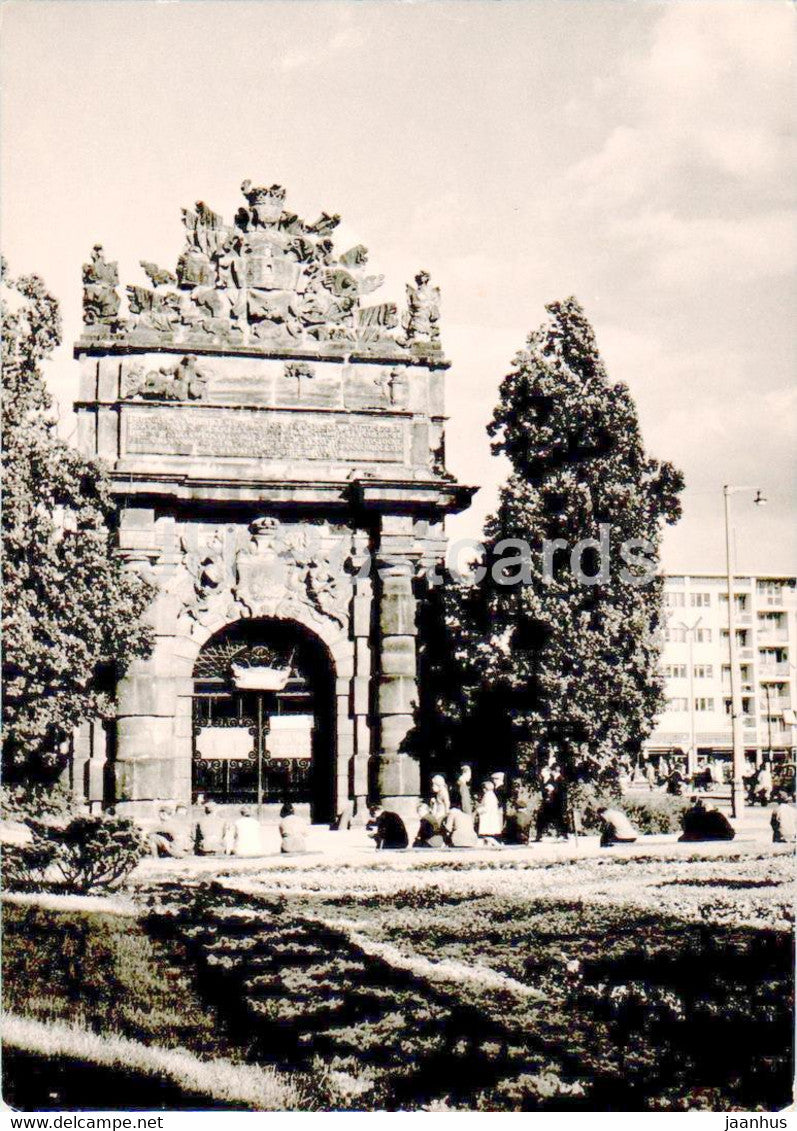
<point x="692" y="252"/>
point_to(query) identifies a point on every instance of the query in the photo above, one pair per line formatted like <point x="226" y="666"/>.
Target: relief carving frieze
<point x="182" y="382"/>
<point x="266" y="569"/>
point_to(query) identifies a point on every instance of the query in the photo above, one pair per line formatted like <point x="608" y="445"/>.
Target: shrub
<point x="647" y="812"/>
<point x="656" y="813"/>
<point x="86" y="854"/>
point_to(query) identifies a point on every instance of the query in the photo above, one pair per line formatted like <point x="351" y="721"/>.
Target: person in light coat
<point x="245" y="835"/>
<point x="441" y="801"/>
<point x="488" y="813"/>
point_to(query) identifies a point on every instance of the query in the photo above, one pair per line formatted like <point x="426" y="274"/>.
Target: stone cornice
<point x="99" y="347"/>
<point x="374" y="495"/>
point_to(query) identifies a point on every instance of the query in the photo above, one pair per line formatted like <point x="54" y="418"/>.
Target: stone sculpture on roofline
<point x="267" y="280"/>
<point x="275" y="443"/>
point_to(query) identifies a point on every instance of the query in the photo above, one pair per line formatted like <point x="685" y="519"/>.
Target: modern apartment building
<point x="697" y="670"/>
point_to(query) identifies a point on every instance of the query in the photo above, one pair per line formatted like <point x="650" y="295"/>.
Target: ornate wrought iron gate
<point x="228" y="742"/>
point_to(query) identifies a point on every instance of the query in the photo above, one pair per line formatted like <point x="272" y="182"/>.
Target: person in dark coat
<point x="702" y="823"/>
<point x="430" y="833"/>
<point x="553" y="808"/>
<point x="520" y="815"/>
<point x="386" y="829"/>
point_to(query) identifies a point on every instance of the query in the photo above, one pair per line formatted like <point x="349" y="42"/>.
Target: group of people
<point x="465" y="816"/>
<point x="177" y="834"/>
<point x="458" y="817"/>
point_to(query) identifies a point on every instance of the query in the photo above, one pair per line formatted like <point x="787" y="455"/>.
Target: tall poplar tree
<point x="71" y="615"/>
<point x="571" y="662"/>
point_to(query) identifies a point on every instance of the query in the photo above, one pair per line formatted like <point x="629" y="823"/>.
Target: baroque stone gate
<point x="276" y="444"/>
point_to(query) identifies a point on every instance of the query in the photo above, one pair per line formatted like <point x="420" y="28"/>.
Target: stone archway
<point x="260" y="458"/>
<point x="299" y="749"/>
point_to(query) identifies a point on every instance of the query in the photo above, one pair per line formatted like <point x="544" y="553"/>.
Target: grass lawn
<point x="601" y="984"/>
<point x="91" y="1003"/>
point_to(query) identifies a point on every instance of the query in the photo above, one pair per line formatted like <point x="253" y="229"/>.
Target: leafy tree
<point x="565" y="663"/>
<point x="70" y="611"/>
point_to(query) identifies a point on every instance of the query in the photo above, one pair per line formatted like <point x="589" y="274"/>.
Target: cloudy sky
<point x="636" y="154"/>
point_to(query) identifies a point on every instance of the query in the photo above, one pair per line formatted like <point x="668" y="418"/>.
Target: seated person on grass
<point x="292" y="831"/>
<point x="171" y="835"/>
<point x="701" y="823"/>
<point x="784" y="824"/>
<point x="458" y="829"/>
<point x="244" y="835"/>
<point x="209" y="832"/>
<point x="520" y="815"/>
<point x="386" y="829"/>
<point x="430" y="834"/>
<point x="615" y="827"/>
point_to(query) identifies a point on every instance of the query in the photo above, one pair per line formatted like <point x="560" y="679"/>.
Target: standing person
<point x="441" y="802"/>
<point x="553" y="807"/>
<point x="488" y="815"/>
<point x="650" y="773"/>
<point x="209" y="832"/>
<point x="520" y="814"/>
<point x="675" y="783"/>
<point x="499" y="781"/>
<point x="292" y="831"/>
<point x="245" y="839"/>
<point x="763" y="784"/>
<point x="462" y="790"/>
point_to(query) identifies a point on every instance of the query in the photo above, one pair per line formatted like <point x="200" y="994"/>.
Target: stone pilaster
<point x="361" y="683"/>
<point x="398" y="772"/>
<point x="145" y="768"/>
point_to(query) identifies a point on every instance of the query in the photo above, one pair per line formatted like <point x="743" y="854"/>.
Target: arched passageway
<point x="297" y="762"/>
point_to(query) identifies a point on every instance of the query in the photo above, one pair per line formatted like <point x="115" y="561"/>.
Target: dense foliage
<point x="84" y="855"/>
<point x="559" y="660"/>
<point x="70" y="609"/>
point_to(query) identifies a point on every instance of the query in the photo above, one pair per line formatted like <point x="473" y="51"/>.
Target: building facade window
<point x="675" y="600"/>
<point x="770" y="592"/>
<point x="747" y="705"/>
<point x="704" y="704"/>
<point x="675" y="635"/>
<point x="703" y="635"/>
<point x="678" y="703"/>
<point x="675" y="671"/>
<point x="704" y="671"/>
<point x="700" y="600"/>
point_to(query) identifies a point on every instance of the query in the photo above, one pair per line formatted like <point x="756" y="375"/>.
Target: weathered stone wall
<point x="270" y="435"/>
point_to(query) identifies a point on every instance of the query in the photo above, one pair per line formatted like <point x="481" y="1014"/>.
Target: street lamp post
<point x="691" y="758"/>
<point x="737" y="786"/>
<point x="769" y="724"/>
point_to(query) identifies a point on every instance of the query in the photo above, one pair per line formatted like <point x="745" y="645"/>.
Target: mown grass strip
<point x="258" y="1089"/>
